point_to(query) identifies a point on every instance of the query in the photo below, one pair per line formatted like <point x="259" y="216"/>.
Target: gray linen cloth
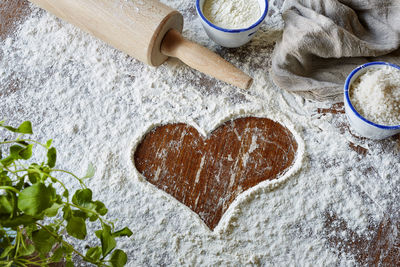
<point x="323" y="40"/>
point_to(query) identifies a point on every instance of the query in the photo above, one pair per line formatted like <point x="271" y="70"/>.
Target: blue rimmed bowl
<point x="361" y="125"/>
<point x="231" y="37"/>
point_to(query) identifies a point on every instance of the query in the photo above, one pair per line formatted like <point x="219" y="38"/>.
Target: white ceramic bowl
<point x="231" y="37"/>
<point x="360" y="124"/>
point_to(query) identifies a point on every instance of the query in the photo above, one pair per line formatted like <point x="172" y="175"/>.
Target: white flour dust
<point x="376" y="95"/>
<point x="97" y="103"/>
<point x="232" y="14"/>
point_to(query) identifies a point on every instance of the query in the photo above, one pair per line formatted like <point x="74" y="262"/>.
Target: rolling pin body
<point x="138" y="28"/>
<point x="134" y="27"/>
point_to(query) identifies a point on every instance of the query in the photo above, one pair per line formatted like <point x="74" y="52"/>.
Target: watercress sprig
<point x="35" y="217"/>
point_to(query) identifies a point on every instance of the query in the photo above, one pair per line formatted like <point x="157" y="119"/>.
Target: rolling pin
<point x="146" y="30"/>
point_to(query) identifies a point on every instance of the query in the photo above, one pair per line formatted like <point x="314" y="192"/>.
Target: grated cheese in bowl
<point x="375" y="95"/>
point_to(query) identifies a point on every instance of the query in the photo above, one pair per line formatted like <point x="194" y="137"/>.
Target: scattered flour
<point x="97" y="103"/>
<point x="376" y="95"/>
<point x="232" y="14"/>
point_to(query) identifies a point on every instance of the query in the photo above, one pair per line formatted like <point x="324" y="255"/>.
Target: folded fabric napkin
<point x="323" y="40"/>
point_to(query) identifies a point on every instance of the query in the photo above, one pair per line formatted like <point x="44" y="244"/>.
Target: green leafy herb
<point x="118" y="258"/>
<point x="34" y="199"/>
<point x="35" y="218"/>
<point x="24" y="128"/>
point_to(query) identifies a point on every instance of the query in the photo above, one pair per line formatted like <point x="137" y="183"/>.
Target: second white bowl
<point x="360" y="124"/>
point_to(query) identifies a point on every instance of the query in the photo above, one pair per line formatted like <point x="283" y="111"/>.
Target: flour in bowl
<point x="232" y="14"/>
<point x="376" y="95"/>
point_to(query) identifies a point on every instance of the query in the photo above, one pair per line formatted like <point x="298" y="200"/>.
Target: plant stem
<point x="20" y="262"/>
<point x="18" y="240"/>
<point x="23" y="140"/>
<point x="65" y="243"/>
<point x="73" y="175"/>
<point x="58" y="181"/>
<point x="16" y="171"/>
<point x="10" y="188"/>
<point x="89" y="211"/>
<point x="35" y="262"/>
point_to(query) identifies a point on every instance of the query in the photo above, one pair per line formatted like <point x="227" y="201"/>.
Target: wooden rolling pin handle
<point x="203" y="60"/>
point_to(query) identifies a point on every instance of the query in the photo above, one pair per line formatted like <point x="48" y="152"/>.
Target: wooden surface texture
<point x="199" y="171"/>
<point x="207" y="174"/>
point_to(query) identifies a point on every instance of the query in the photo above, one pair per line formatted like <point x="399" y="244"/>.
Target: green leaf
<point x="66" y="193"/>
<point x="20" y="184"/>
<point x="58" y="199"/>
<point x="58" y="254"/>
<point x="49" y="142"/>
<point x="4" y="179"/>
<point x="53" y="210"/>
<point x="123" y="232"/>
<point x="7" y="251"/>
<point x="67" y="249"/>
<point x="79" y="213"/>
<point x="118" y="258"/>
<point x="15" y="150"/>
<point x="76" y="227"/>
<point x="35" y="199"/>
<point x="33" y="177"/>
<point x="53" y="192"/>
<point x="100" y="208"/>
<point x="36" y="172"/>
<point x="29" y="229"/>
<point x="18" y="221"/>
<point x="82" y="197"/>
<point x="7" y="161"/>
<point x="23" y="143"/>
<point x="6" y="205"/>
<point x="69" y="264"/>
<point x="94" y="253"/>
<point x="51" y="157"/>
<point x="26" y="153"/>
<point x="93" y="217"/>
<point x="107" y="241"/>
<point x="24" y="128"/>
<point x="67" y="212"/>
<point x="98" y="233"/>
<point x="90" y="171"/>
<point x="26" y="250"/>
<point x="43" y="241"/>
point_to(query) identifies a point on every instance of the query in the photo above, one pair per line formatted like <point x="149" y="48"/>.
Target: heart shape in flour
<point x="207" y="174"/>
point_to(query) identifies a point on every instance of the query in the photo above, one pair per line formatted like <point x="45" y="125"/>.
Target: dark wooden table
<point x="188" y="173"/>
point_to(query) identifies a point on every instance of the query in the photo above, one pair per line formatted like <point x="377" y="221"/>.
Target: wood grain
<point x="203" y="60"/>
<point x="380" y="249"/>
<point x="11" y="12"/>
<point x="381" y="245"/>
<point x="207" y="174"/>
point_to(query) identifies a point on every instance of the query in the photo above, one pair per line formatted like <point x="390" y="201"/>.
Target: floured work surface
<point x="96" y="103"/>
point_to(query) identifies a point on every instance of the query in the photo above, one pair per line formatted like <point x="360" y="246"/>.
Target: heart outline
<point x="234" y="208"/>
